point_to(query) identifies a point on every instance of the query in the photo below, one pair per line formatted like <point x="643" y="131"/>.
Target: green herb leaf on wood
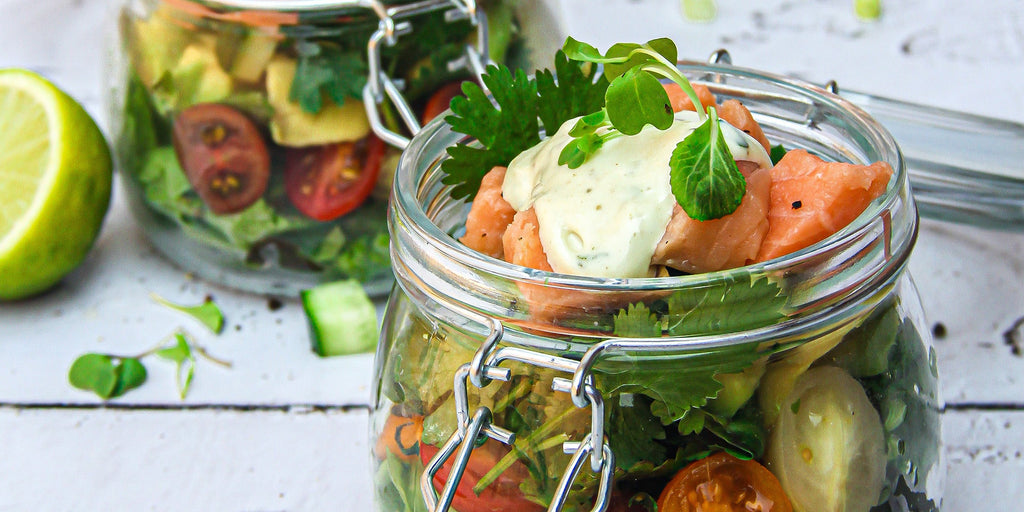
<point x="206" y="313"/>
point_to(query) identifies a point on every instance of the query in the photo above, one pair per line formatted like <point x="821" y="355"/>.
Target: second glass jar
<point x="243" y="141"/>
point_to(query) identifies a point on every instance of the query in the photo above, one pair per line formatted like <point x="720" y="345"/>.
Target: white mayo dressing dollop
<point x="605" y="218"/>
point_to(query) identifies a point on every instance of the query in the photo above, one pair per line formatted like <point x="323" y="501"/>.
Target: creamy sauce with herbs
<point x="605" y="218"/>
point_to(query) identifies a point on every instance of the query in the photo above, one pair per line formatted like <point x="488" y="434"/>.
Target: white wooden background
<point x="284" y="430"/>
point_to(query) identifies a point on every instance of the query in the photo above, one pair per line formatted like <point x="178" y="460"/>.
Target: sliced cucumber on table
<point x="342" y="319"/>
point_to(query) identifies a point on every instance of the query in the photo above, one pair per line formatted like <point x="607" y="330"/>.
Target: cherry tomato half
<point x="501" y="496"/>
<point x="326" y="182"/>
<point x="440" y="100"/>
<point x="223" y="156"/>
<point x="721" y="482"/>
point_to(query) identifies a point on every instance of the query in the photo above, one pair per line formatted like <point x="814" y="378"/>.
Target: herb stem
<point x="673" y="74"/>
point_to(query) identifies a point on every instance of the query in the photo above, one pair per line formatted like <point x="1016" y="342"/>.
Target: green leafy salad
<point x="840" y="419"/>
<point x="245" y="131"/>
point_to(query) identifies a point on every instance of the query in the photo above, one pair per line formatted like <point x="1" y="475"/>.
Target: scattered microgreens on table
<point x="705" y="179"/>
<point x="110" y="376"/>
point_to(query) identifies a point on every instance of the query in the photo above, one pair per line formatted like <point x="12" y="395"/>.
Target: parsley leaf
<point x="511" y="123"/>
<point x="706" y="181"/>
<point x="325" y="69"/>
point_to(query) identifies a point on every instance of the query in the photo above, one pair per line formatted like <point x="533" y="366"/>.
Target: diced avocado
<point x="198" y="77"/>
<point x="252" y="56"/>
<point x="342" y="319"/>
<point x="155" y="45"/>
<point x="737" y="388"/>
<point x="865" y="351"/>
<point x="292" y="126"/>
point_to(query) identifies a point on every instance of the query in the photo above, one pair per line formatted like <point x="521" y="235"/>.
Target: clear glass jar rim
<point x="295" y="5"/>
<point x="408" y="206"/>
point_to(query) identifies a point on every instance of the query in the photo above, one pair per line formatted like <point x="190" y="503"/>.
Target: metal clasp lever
<point x="468" y="434"/>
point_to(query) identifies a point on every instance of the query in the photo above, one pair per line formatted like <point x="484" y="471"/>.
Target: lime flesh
<point x="55" y="176"/>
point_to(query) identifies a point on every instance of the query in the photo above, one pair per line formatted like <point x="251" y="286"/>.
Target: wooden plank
<point x="71" y="460"/>
<point x="296" y="460"/>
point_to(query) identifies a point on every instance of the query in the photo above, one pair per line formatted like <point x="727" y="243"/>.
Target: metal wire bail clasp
<point x="381" y="87"/>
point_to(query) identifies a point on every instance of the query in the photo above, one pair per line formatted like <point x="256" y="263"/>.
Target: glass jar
<point x="504" y="388"/>
<point x="245" y="129"/>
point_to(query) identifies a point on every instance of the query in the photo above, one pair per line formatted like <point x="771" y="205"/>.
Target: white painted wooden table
<point x="284" y="430"/>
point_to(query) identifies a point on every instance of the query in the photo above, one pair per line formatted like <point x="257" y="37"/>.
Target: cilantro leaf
<point x="739" y="302"/>
<point x="778" y="151"/>
<point x="572" y="91"/>
<point x="324" y="69"/>
<point x="637" y="321"/>
<point x="676" y="386"/>
<point x="634" y="432"/>
<point x="511" y="123"/>
<point x="705" y="179"/>
<point x="505" y="129"/>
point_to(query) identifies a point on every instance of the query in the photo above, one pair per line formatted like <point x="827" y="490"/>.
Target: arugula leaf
<point x="206" y="313"/>
<point x="706" y="181"/>
<point x="511" y="124"/>
<point x="325" y="69"/>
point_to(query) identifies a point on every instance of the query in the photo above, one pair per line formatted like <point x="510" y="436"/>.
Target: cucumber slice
<point x="342" y="319"/>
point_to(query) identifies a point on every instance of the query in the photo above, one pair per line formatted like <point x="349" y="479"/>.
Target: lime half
<point x="55" y="173"/>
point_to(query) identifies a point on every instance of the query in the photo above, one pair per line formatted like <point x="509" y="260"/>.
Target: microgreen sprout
<point x="206" y="313"/>
<point x="110" y="376"/>
<point x="706" y="181"/>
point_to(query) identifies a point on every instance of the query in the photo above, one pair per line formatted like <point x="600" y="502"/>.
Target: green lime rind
<point x="56" y="232"/>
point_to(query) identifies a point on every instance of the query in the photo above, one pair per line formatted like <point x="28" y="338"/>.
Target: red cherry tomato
<point x="501" y="496"/>
<point x="724" y="483"/>
<point x="326" y="182"/>
<point x="440" y="100"/>
<point x="223" y="155"/>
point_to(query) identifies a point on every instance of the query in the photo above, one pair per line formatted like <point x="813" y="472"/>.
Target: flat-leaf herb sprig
<point x="705" y="179"/>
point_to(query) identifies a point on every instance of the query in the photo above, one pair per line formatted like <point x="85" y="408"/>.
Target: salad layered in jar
<point x="771" y="355"/>
<point x="245" y="143"/>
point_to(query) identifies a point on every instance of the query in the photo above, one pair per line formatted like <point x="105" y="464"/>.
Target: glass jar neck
<point x="465" y="289"/>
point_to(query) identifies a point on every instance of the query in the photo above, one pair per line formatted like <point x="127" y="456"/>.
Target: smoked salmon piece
<point x="521" y="242"/>
<point x="812" y="199"/>
<point x="729" y="242"/>
<point x="680" y="101"/>
<point x="736" y="114"/>
<point x="489" y="216"/>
